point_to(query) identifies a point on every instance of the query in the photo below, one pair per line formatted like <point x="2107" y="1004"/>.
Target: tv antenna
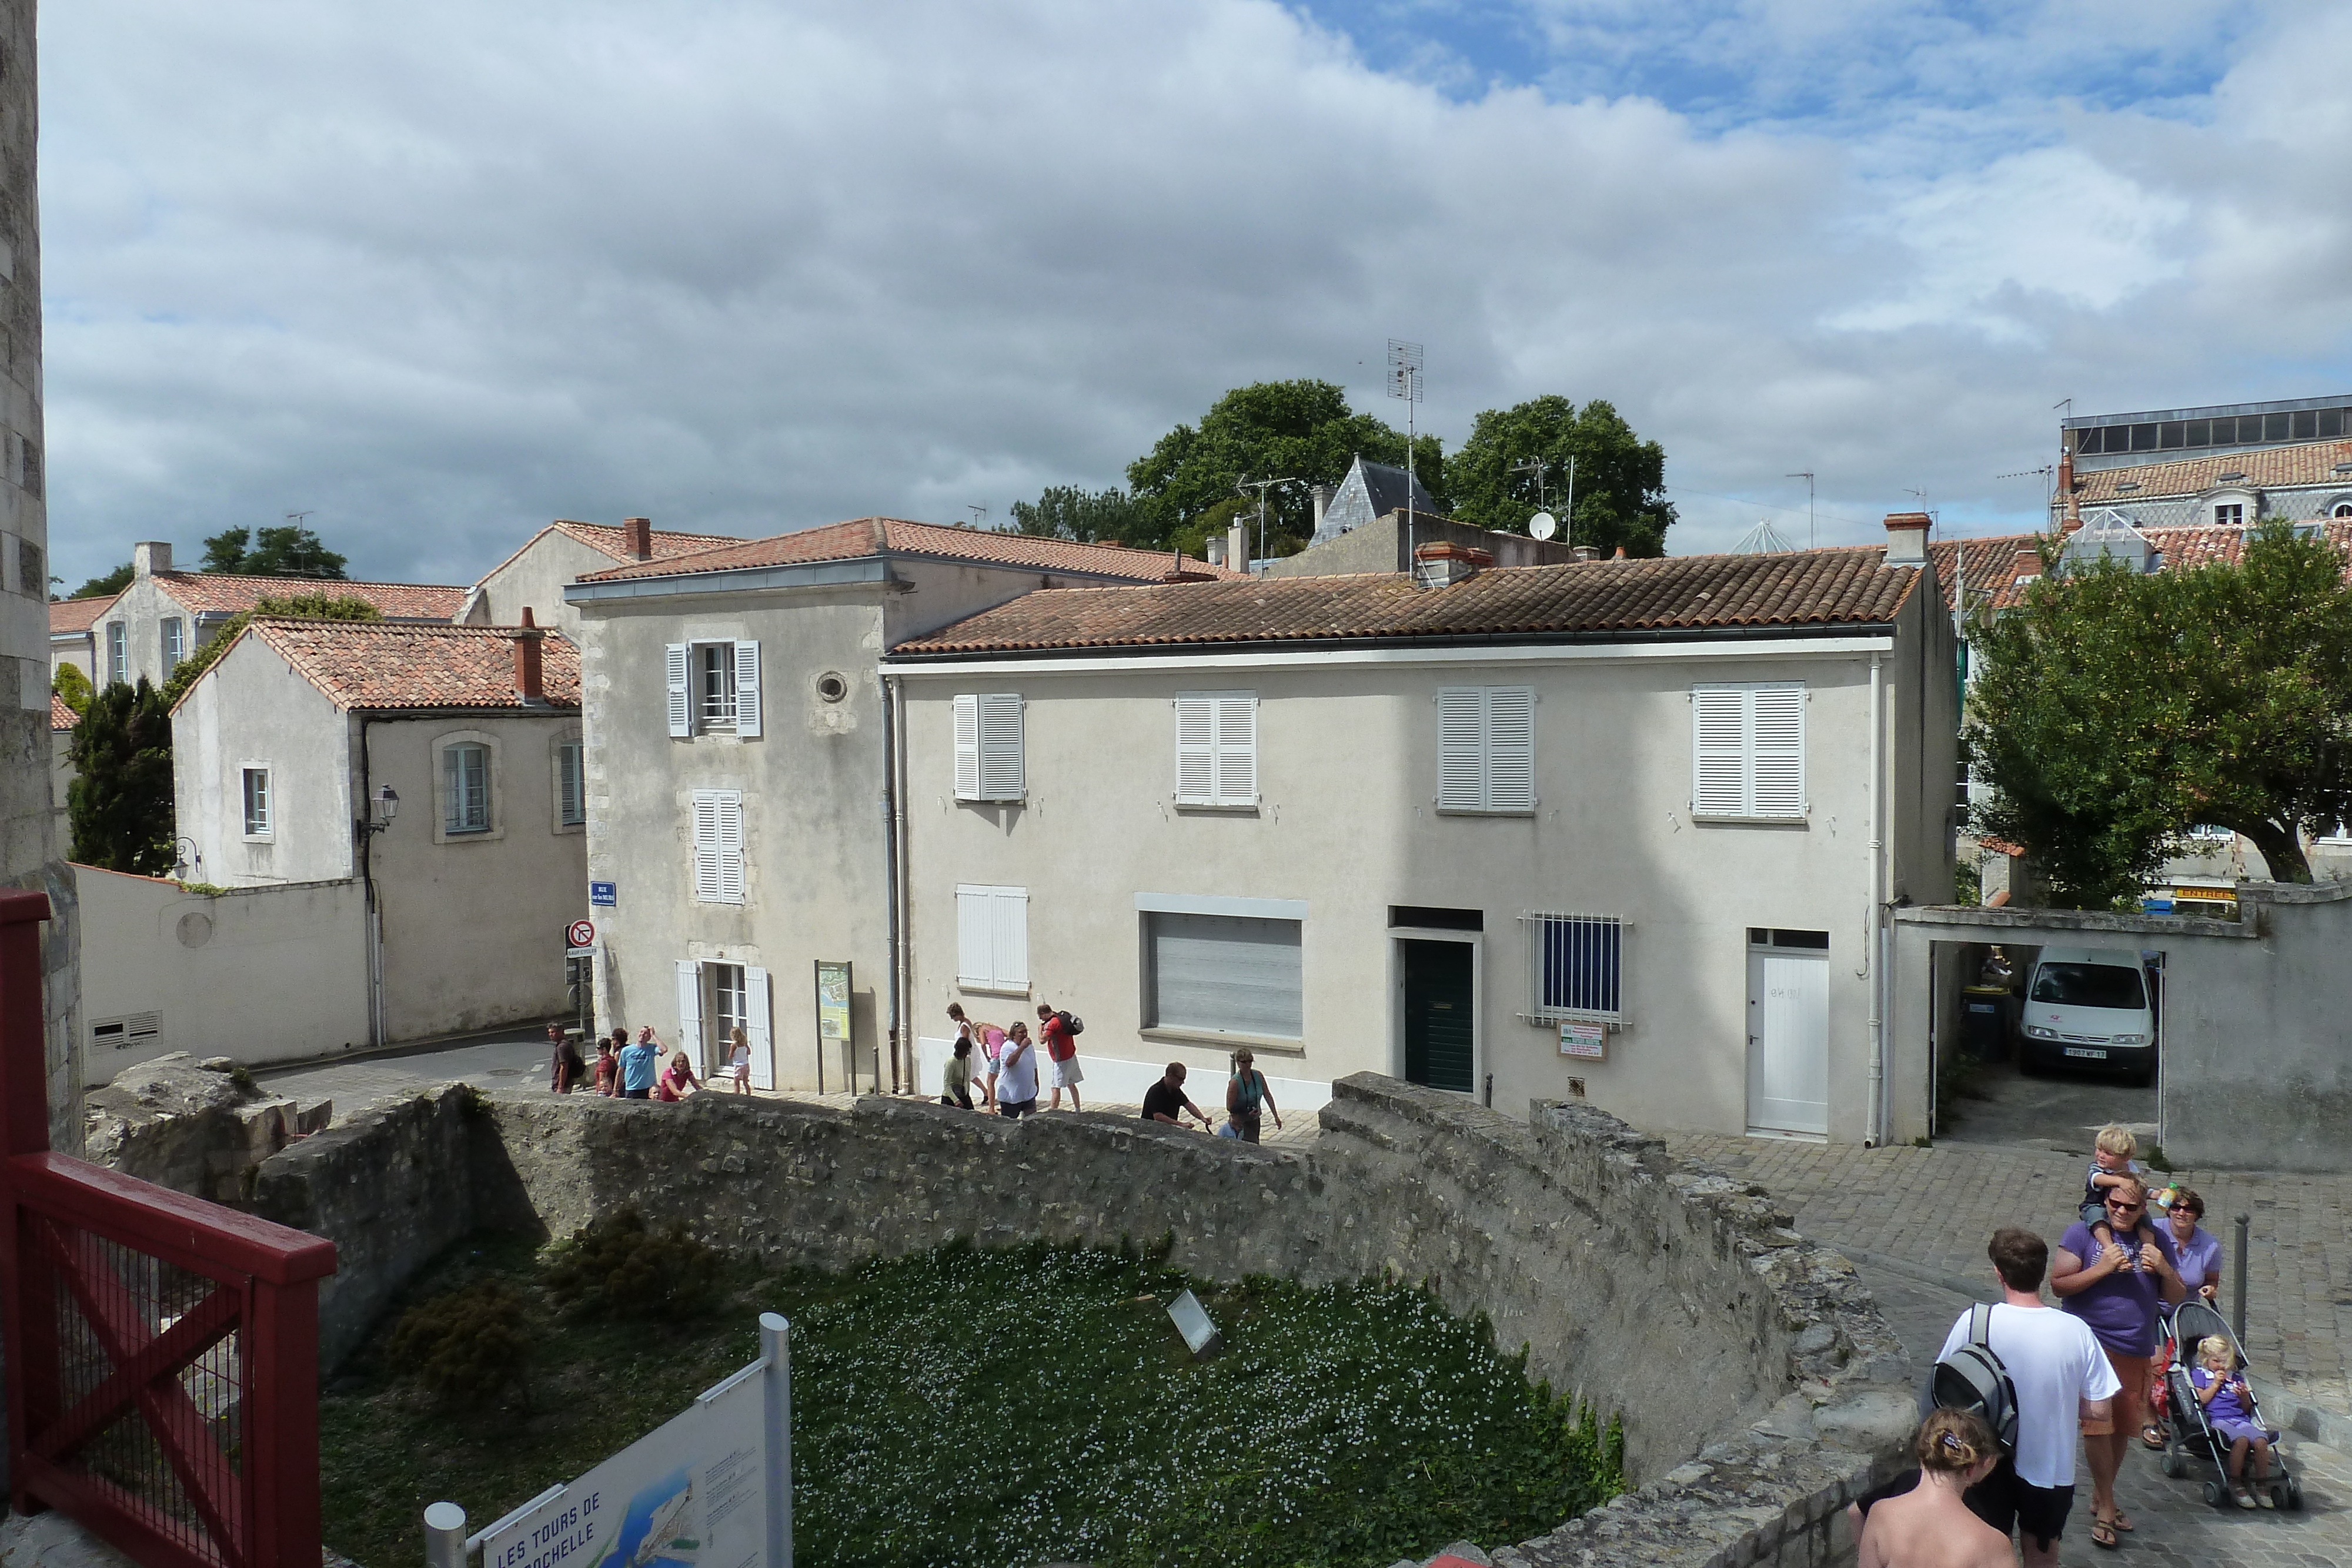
<point x="299" y="519"/>
<point x="1543" y="524"/>
<point x="1810" y="541"/>
<point x="1404" y="383"/>
<point x="1262" y="487"/>
<point x="978" y="515"/>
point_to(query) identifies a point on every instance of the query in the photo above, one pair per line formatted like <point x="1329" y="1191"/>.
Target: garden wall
<point x="1759" y="1386"/>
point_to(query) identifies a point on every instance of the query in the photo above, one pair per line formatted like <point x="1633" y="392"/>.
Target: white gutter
<point x="1876" y="1135"/>
<point x="1761" y="646"/>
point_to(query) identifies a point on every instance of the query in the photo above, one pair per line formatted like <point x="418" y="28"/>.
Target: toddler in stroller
<point x="2217" y="1418"/>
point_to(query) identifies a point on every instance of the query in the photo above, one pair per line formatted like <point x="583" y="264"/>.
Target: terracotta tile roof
<point x="1991" y="562"/>
<point x="208" y="592"/>
<point x="1992" y="559"/>
<point x="2266" y="468"/>
<point x="614" y="543"/>
<point x="383" y="664"/>
<point x="78" y="614"/>
<point x="60" y="716"/>
<point x="1810" y="587"/>
<point x="875" y="536"/>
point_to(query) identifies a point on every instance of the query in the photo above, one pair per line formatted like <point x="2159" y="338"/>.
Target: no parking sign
<point x="580" y="933"/>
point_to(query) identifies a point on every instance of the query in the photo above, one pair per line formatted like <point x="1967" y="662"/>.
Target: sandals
<point x="2103" y="1535"/>
<point x="2152" y="1435"/>
<point x="2122" y="1522"/>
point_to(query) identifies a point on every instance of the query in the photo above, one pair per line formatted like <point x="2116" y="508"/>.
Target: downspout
<point x="363" y="828"/>
<point x="1877" y="1130"/>
<point x="890" y="855"/>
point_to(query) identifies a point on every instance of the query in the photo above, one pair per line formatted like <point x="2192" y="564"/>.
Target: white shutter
<point x="1196" y="749"/>
<point x="730" y="847"/>
<point x="707" y="886"/>
<point x="1718" y="751"/>
<point x="756" y="1025"/>
<point x="746" y="688"/>
<point x="1009" y="921"/>
<point x="1777" y="751"/>
<point x="681" y="708"/>
<point x="1461" y="773"/>
<point x="1001" y="774"/>
<point x="689" y="1010"/>
<point x="1236" y="760"/>
<point x="1510" y="748"/>
<point x="975" y="938"/>
<point x="967" y="747"/>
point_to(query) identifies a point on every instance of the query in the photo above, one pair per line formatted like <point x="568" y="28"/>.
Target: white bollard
<point x="775" y="1344"/>
<point x="445" y="1535"/>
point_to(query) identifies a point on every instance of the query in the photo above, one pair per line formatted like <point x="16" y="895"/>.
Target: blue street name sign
<point x="604" y="894"/>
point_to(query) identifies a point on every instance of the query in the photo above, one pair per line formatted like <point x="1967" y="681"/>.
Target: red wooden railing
<point x="163" y="1350"/>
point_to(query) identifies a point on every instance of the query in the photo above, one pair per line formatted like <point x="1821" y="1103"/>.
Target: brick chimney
<point x="1620" y="555"/>
<point x="527" y="639"/>
<point x="1322" y="493"/>
<point x="2029" y="565"/>
<point x="2069" y="510"/>
<point x="1906" y="539"/>
<point x="149" y="557"/>
<point x="1444" y="565"/>
<point x="637" y="533"/>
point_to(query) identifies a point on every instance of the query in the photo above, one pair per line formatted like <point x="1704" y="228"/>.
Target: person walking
<point x="988" y="1042"/>
<point x="1016" y="1076"/>
<point x="961" y="1074"/>
<point x="1930" y="1525"/>
<point x="640" y="1064"/>
<point x="739" y="1060"/>
<point x="1164" y="1100"/>
<point x="1062" y="1052"/>
<point x="559" y="1071"/>
<point x="2197" y="1253"/>
<point x="2062" y="1379"/>
<point x="1248" y="1098"/>
<point x="2119" y="1291"/>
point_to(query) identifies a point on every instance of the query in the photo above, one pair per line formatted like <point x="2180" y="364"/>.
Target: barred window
<point x="1575" y="965"/>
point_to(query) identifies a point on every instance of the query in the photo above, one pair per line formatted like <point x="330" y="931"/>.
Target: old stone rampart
<point x="1759" y="1386"/>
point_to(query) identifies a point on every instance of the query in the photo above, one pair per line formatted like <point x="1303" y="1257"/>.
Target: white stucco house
<point x="73" y="636"/>
<point x="741" y="772"/>
<point x="1620" y="830"/>
<point x="535" y="575"/>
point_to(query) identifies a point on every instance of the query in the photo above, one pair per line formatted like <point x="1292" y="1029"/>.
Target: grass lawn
<point x="1006" y="1409"/>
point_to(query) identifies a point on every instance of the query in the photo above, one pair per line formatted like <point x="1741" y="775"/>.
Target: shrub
<point x="620" y="1266"/>
<point x="466" y="1347"/>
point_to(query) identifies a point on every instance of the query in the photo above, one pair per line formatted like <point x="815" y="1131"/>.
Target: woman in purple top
<point x="2119" y="1289"/>
<point x="2197" y="1251"/>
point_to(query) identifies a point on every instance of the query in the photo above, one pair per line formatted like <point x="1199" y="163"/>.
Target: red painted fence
<point x="163" y="1350"/>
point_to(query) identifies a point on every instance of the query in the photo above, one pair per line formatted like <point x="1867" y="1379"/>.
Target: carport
<point x="2255" y="1061"/>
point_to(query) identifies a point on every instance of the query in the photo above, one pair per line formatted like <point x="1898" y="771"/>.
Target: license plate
<point x="2092" y="1053"/>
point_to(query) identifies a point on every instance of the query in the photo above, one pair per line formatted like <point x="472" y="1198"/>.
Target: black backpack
<point x="1974" y="1378"/>
<point x="1072" y="1022"/>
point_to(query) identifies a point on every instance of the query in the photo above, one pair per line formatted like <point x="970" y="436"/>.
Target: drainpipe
<point x="363" y="830"/>
<point x="890" y="855"/>
<point x="1877" y="1132"/>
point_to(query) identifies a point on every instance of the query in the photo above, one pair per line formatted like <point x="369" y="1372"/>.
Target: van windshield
<point x="2089" y="986"/>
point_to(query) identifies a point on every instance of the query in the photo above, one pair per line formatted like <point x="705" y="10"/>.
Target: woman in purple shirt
<point x="2119" y="1289"/>
<point x="2199" y="1252"/>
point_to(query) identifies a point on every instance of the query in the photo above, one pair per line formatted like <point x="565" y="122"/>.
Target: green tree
<point x="289" y="550"/>
<point x="1067" y="512"/>
<point x="119" y="803"/>
<point x="1620" y="479"/>
<point x="2113" y="710"/>
<point x="114" y="581"/>
<point x="1272" y="430"/>
<point x="319" y="606"/>
<point x="74" y="687"/>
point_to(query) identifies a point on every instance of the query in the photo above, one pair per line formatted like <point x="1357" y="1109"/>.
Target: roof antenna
<point x="1810" y="542"/>
<point x="1404" y="382"/>
<point x="979" y="515"/>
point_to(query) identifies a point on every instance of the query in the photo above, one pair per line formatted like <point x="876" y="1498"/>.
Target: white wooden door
<point x="1788" y="1042"/>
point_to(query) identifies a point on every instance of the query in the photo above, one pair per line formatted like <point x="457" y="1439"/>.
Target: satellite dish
<point x="1543" y="524"/>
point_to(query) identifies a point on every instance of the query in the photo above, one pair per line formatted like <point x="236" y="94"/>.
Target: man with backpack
<point x="1060" y="1032"/>
<point x="2035" y="1373"/>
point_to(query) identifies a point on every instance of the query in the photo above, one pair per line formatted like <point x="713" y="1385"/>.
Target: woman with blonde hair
<point x="739" y="1058"/>
<point x="1929" y="1526"/>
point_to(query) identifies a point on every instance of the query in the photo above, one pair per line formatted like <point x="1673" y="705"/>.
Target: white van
<point x="2090" y="1007"/>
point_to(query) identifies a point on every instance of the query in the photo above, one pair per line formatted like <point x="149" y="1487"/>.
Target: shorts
<point x="1067" y="1074"/>
<point x="2007" y="1503"/>
<point x="1016" y="1109"/>
<point x="636" y="1094"/>
<point x="2130" y="1411"/>
<point x="743" y="1073"/>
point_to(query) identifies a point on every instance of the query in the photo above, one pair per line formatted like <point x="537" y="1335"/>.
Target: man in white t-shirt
<point x="2062" y="1377"/>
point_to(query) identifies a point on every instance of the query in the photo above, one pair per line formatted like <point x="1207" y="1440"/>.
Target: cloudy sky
<point x="435" y="272"/>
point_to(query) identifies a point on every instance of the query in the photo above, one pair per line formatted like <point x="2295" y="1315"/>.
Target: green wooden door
<point x="1439" y="1026"/>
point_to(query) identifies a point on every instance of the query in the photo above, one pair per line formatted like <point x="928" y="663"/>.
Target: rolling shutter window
<point x="1747" y="752"/>
<point x="681" y="710"/>
<point x="689" y="1009"/>
<point x="746" y="688"/>
<point x="757" y="1026"/>
<point x="1216" y="749"/>
<point x="992" y="938"/>
<point x="1486" y="750"/>
<point x="1230" y="974"/>
<point x="718" y="846"/>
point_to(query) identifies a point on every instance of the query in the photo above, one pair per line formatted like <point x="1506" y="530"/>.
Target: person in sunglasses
<point x="2118" y="1287"/>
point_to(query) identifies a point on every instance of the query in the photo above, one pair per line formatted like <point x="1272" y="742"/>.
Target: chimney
<point x="1322" y="493"/>
<point x="1237" y="554"/>
<point x="2029" y="565"/>
<point x="1444" y="565"/>
<point x="1214" y="551"/>
<point x="1620" y="555"/>
<point x="1906" y="539"/>
<point x="1583" y="553"/>
<point x="526" y="650"/>
<point x="2071" y="513"/>
<point x="637" y="533"/>
<point x="151" y="558"/>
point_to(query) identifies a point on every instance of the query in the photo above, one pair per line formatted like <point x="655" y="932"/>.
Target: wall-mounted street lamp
<point x="383" y="807"/>
<point x="186" y="858"/>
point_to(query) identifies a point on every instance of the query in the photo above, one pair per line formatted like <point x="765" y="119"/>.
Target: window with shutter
<point x="758" y="1026"/>
<point x="718" y="846"/>
<point x="1747" y="752"/>
<point x="1216" y="749"/>
<point x="967" y="747"/>
<point x="570" y="786"/>
<point x="988" y="762"/>
<point x="746" y="688"/>
<point x="992" y="938"/>
<point x="1486" y="750"/>
<point x="679" y="659"/>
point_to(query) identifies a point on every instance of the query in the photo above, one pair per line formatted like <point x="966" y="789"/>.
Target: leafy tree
<point x="119" y="803"/>
<point x="1272" y="430"/>
<point x="74" y="687"/>
<point x="114" y="581"/>
<point x="1067" y="512"/>
<point x="319" y="606"/>
<point x="1620" y="479"/>
<point x="2115" y="709"/>
<point x="289" y="550"/>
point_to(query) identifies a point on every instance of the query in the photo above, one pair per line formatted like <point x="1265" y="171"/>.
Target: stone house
<point x="739" y="763"/>
<point x="561" y="553"/>
<point x="1621" y="831"/>
<point x="163" y="616"/>
<point x="1369" y="491"/>
<point x="2225" y="466"/>
<point x="284" y="752"/>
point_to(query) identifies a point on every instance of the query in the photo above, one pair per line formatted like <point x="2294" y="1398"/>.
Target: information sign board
<point x="1582" y="1039"/>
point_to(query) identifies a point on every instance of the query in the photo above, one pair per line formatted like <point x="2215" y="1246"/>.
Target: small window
<point x="2229" y="515"/>
<point x="570" y="786"/>
<point x="1760" y="936"/>
<point x="117" y="653"/>
<point x="2342" y="509"/>
<point x="1216" y="749"/>
<point x="993" y="939"/>
<point x="257" y="802"/>
<point x="988" y="762"/>
<point x="1575" y="966"/>
<point x="2209" y="832"/>
<point x="2331" y="423"/>
<point x="466" y="781"/>
<point x="2307" y="425"/>
<point x="1747" y="752"/>
<point x="2172" y="433"/>
<point x="1486" y="751"/>
<point x="714" y="688"/>
<point x="831" y="686"/>
<point x="718" y="846"/>
<point x="1224" y="974"/>
<point x="2201" y="433"/>
<point x="2274" y="427"/>
<point x="175" y="644"/>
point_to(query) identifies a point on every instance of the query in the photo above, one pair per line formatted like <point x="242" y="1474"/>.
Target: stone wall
<point x="194" y="1126"/>
<point x="1759" y="1384"/>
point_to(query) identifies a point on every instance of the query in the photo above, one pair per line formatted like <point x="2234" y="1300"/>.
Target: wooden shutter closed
<point x="707" y="888"/>
<point x="1777" y="751"/>
<point x="757" y="1026"/>
<point x="677" y="661"/>
<point x="975" y="936"/>
<point x="730" y="847"/>
<point x="1000" y="771"/>
<point x="746" y="688"/>
<point x="572" y="802"/>
<point x="1196" y="749"/>
<point x="967" y="747"/>
<point x="1511" y="744"/>
<point x="1718" y="751"/>
<point x="1461" y="776"/>
<point x="689" y="1012"/>
<point x="1236" y="758"/>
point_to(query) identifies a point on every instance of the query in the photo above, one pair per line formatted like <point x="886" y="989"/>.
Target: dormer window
<point x="2229" y="515"/>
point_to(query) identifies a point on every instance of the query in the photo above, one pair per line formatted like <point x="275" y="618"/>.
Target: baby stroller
<point x="2193" y="1436"/>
